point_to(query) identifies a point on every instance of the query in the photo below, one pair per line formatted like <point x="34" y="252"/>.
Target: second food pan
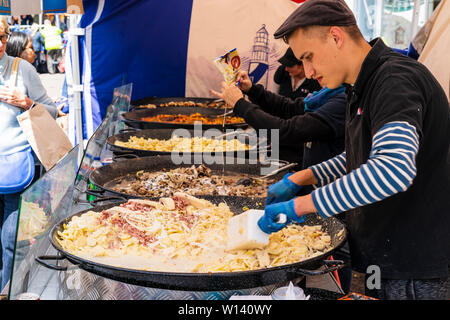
<point x="256" y="145"/>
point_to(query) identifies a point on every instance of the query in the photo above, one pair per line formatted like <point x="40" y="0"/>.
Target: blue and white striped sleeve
<point x="391" y="168"/>
<point x="330" y="170"/>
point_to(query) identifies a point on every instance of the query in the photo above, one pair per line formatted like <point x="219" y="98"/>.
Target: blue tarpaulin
<point x="139" y="42"/>
<point x="54" y="6"/>
<point x="130" y="41"/>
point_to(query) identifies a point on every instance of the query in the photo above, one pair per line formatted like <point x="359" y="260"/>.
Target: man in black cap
<point x="290" y="80"/>
<point x="393" y="178"/>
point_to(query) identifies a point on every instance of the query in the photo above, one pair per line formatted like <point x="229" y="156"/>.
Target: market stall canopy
<point x="166" y="48"/>
<point x="19" y="7"/>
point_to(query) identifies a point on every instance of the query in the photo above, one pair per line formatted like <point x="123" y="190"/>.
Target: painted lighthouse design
<point x="258" y="68"/>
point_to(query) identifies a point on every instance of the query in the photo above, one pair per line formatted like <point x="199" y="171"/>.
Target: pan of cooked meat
<point x="149" y="177"/>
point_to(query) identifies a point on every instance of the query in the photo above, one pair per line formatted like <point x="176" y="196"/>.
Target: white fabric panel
<point x="231" y="24"/>
<point x="437" y="47"/>
<point x="19" y="7"/>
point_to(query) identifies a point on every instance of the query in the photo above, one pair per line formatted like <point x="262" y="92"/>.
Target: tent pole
<point x="378" y="23"/>
<point x="415" y="19"/>
<point x="76" y="83"/>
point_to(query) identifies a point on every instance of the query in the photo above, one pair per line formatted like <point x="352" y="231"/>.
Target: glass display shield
<point x="55" y="196"/>
<point x="41" y="205"/>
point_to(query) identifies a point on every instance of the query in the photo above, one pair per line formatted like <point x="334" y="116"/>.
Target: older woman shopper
<point x="16" y="96"/>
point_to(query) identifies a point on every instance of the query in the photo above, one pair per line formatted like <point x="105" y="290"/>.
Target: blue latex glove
<point x="268" y="222"/>
<point x="283" y="190"/>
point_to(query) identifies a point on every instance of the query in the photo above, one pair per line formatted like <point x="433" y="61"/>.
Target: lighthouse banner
<point x="220" y="26"/>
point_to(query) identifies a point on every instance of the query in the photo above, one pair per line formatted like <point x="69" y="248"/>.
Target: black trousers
<point x="428" y="289"/>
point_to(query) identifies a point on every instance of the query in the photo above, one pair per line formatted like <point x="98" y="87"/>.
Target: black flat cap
<point x="289" y="59"/>
<point x="317" y="13"/>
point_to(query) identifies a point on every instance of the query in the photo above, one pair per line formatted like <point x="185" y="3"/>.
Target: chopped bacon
<point x="105" y="216"/>
<point x="143" y="238"/>
<point x="133" y="231"/>
<point x="188" y="219"/>
<point x="138" y="206"/>
<point x="180" y="203"/>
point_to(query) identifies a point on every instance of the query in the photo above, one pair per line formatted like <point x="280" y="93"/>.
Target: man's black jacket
<point x="321" y="132"/>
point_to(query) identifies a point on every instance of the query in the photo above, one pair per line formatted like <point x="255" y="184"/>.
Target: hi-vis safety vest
<point x="52" y="37"/>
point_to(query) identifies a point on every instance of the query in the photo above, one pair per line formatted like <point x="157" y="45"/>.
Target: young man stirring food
<point x="393" y="178"/>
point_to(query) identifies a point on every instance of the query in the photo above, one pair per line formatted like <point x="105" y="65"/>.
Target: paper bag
<point x="48" y="140"/>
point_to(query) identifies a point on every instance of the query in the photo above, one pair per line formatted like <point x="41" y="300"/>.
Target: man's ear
<point x="337" y="34"/>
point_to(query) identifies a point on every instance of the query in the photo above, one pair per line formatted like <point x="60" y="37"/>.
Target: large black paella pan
<point x="216" y="281"/>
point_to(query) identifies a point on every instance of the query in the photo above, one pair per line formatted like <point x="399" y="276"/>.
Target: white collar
<point x="299" y="83"/>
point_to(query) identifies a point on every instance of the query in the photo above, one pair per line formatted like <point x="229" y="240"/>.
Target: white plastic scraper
<point x="244" y="232"/>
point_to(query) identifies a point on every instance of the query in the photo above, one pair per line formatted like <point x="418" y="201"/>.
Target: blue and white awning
<point x="166" y="48"/>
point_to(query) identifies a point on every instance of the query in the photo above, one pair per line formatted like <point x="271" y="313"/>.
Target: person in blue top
<point x="290" y="80"/>
<point x="315" y="122"/>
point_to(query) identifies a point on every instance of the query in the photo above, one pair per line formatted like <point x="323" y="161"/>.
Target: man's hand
<point x="283" y="190"/>
<point x="230" y="94"/>
<point x="60" y="113"/>
<point x="268" y="222"/>
<point x="245" y="84"/>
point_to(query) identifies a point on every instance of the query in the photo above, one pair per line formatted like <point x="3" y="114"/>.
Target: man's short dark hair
<point x="354" y="32"/>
